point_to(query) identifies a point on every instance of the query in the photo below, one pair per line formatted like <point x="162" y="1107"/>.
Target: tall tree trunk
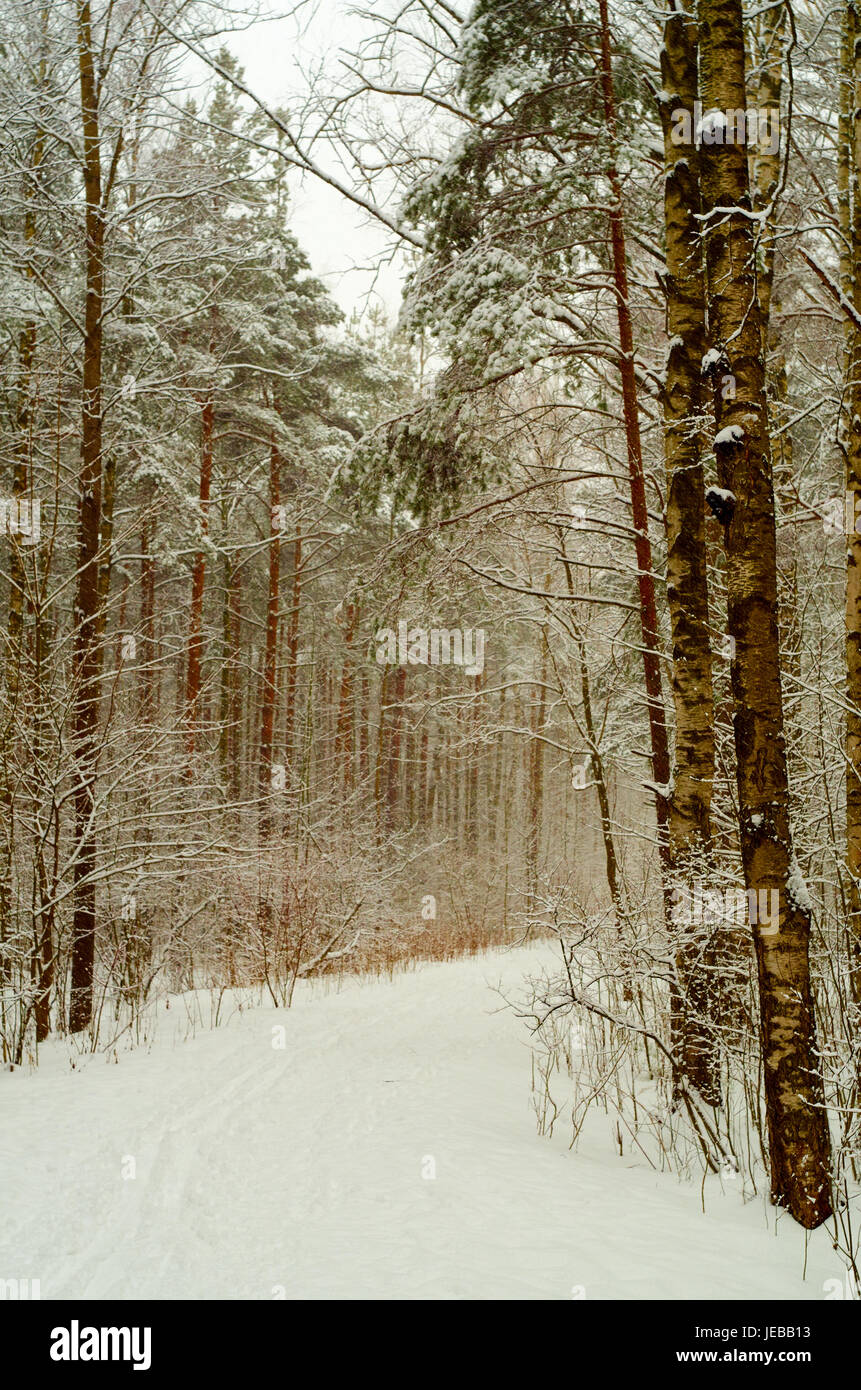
<point x="850" y="216"/>
<point x="498" y="765"/>
<point x="799" y="1145"/>
<point x="645" y="576"/>
<point x="472" y="826"/>
<point x="393" y="759"/>
<point x="87" y="647"/>
<point x="21" y="483"/>
<point x="364" y="728"/>
<point x="767" y="170"/>
<point x="14" y="648"/>
<point x="536" y="778"/>
<point x="235" y="692"/>
<point x="292" y="659"/>
<point x="268" y="693"/>
<point x="380" y="759"/>
<point x="690" y="833"/>
<point x="344" y="733"/>
<point x="198" y="579"/>
<point x="146" y="666"/>
<point x="596" y="763"/>
<point x="106" y="546"/>
<point x="422" y="777"/>
<point x="44" y="948"/>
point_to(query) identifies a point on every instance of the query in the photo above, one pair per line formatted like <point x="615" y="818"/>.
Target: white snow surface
<point x="712" y="123"/>
<point x="733" y="434"/>
<point x="264" y="1173"/>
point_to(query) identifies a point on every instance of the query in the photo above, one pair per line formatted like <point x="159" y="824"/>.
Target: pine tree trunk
<point x="86" y="647"/>
<point x="17" y="586"/>
<point x="473" y="768"/>
<point x="147" y="623"/>
<point x="109" y="474"/>
<point x="198" y="579"/>
<point x="292" y="661"/>
<point x="344" y="734"/>
<point x="268" y="693"/>
<point x="44" y="947"/>
<point x="850" y="210"/>
<point x="393" y="761"/>
<point x="536" y="780"/>
<point x="645" y="577"/>
<point x="364" y="729"/>
<point x="234" y="677"/>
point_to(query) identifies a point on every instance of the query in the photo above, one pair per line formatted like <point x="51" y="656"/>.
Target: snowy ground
<point x="305" y="1171"/>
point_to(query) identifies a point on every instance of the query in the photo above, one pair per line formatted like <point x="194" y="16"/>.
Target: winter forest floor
<point x="306" y="1171"/>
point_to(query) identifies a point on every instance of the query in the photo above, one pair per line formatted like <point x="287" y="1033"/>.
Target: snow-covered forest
<point x="430" y="701"/>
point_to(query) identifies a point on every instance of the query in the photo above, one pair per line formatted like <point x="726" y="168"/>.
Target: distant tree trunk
<point x="147" y="624"/>
<point x="268" y="693"/>
<point x="496" y="772"/>
<point x="433" y="811"/>
<point x="799" y="1144"/>
<point x="87" y="647"/>
<point x="380" y="759"/>
<point x="293" y="658"/>
<point x="364" y="727"/>
<point x="233" y="675"/>
<point x="393" y="760"/>
<point x="690" y="832"/>
<point x="198" y="579"/>
<point x="344" y="736"/>
<point x="596" y="761"/>
<point x="422" y="777"/>
<point x="536" y="780"/>
<point x="109" y="474"/>
<point x="472" y="826"/>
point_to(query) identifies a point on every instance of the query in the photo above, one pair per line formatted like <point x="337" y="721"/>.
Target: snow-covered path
<point x="305" y="1169"/>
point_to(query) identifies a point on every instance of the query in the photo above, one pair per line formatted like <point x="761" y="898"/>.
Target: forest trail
<point x="295" y="1172"/>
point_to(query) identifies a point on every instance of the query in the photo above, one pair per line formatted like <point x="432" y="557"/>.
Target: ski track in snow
<point x="301" y="1169"/>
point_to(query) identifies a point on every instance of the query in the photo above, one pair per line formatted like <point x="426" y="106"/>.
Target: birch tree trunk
<point x="687" y="586"/>
<point x="798" y="1137"/>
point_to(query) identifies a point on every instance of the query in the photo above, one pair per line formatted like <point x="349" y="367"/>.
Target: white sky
<point x="341" y="242"/>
